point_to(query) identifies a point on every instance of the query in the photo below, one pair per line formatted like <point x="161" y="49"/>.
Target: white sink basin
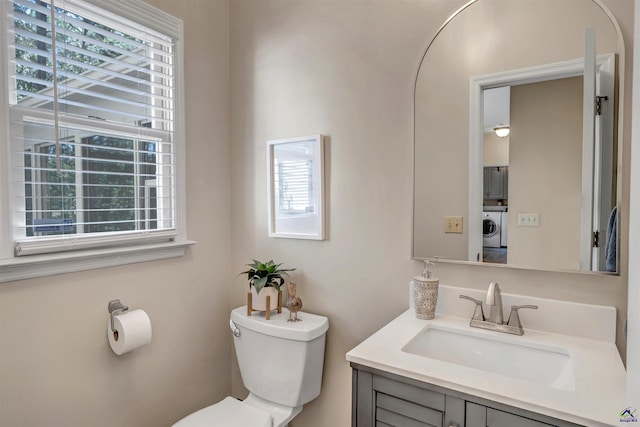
<point x="512" y="356"/>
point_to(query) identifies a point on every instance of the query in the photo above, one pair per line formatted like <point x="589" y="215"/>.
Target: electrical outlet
<point x="453" y="224"/>
<point x="528" y="220"/>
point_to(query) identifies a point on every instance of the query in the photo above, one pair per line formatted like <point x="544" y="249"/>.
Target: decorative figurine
<point x="294" y="303"/>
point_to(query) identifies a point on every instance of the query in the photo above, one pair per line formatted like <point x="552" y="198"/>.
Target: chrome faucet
<point x="495" y="322"/>
<point x="494" y="302"/>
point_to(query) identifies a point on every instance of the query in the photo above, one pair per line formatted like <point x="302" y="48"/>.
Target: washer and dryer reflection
<point x="494" y="229"/>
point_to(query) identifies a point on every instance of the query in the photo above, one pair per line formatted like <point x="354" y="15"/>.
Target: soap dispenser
<point x="425" y="293"/>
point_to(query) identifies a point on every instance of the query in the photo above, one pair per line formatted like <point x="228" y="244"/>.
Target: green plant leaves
<point x="260" y="283"/>
<point x="266" y="274"/>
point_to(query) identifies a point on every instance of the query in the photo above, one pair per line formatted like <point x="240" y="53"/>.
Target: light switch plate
<point x="528" y="220"/>
<point x="453" y="224"/>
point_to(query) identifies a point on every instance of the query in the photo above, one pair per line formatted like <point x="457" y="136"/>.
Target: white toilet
<point x="281" y="365"/>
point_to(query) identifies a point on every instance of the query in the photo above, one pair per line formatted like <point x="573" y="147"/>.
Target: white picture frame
<point x="295" y="187"/>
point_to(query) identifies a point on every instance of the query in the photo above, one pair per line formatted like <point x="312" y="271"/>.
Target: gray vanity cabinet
<point x="382" y="399"/>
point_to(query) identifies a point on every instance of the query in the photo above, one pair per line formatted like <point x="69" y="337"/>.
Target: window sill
<point x="68" y="262"/>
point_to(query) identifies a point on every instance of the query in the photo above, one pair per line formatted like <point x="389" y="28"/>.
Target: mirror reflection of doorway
<point x="547" y="169"/>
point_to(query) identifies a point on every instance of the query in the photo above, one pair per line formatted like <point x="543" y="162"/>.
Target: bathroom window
<point x="97" y="147"/>
<point x="116" y="179"/>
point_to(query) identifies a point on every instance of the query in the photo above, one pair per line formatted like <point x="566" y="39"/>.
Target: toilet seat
<point x="229" y="412"/>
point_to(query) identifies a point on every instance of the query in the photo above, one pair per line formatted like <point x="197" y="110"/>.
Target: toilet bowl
<point x="281" y="365"/>
<point x="230" y="412"/>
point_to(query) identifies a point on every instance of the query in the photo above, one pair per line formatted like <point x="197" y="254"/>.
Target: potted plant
<point x="265" y="279"/>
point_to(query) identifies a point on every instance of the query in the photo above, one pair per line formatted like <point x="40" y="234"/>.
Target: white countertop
<point x="599" y="375"/>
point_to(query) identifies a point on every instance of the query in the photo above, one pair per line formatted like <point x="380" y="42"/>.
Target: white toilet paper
<point x="133" y="330"/>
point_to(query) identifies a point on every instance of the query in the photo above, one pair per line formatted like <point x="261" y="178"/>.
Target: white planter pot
<point x="259" y="300"/>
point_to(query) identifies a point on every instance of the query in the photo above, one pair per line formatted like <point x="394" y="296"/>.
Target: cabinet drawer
<point x="418" y="395"/>
<point x="399" y="412"/>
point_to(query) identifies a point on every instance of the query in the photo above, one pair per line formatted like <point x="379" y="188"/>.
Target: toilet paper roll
<point x="132" y="330"/>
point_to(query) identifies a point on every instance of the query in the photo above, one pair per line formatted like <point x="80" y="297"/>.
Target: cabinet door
<point x="405" y="405"/>
<point x="497" y="418"/>
<point x="481" y="416"/>
<point x="381" y="401"/>
<point x="487" y="182"/>
<point x="495" y="182"/>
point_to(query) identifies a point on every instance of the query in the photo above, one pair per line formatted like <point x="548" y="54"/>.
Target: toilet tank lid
<point x="310" y="327"/>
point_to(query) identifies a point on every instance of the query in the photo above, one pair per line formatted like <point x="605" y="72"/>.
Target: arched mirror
<point x="544" y="195"/>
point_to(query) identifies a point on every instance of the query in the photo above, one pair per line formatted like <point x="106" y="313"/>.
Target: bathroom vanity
<point x="564" y="371"/>
<point x="382" y="398"/>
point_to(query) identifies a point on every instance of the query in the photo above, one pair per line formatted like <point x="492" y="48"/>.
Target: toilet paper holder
<point x="115" y="307"/>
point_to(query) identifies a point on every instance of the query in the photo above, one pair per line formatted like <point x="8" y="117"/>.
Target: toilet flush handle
<point x="234" y="329"/>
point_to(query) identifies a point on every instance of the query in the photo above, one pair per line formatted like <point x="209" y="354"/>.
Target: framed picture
<point x="295" y="168"/>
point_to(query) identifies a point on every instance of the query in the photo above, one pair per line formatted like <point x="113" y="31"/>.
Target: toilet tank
<point x="281" y="361"/>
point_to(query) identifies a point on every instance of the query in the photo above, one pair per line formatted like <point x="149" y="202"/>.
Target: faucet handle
<point x="514" y="317"/>
<point x="478" y="314"/>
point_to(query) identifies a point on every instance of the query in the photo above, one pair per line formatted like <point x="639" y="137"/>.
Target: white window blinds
<point x="92" y="98"/>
